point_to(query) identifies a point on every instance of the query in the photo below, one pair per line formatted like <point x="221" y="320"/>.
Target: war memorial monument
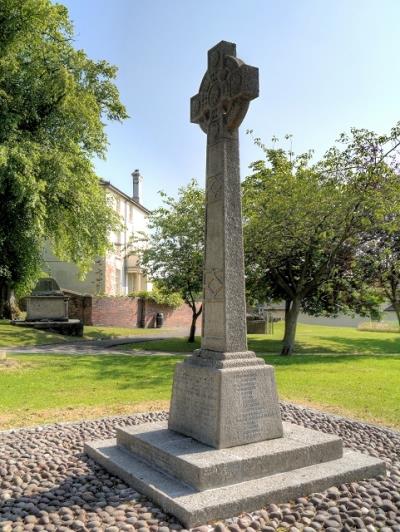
<point x="225" y="449"/>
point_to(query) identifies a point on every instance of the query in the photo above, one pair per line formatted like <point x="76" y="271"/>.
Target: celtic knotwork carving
<point x="214" y="187"/>
<point x="214" y="130"/>
<point x="225" y="91"/>
<point x="235" y="83"/>
<point x="214" y="94"/>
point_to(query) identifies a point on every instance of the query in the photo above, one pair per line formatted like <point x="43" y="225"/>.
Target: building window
<point x="133" y="282"/>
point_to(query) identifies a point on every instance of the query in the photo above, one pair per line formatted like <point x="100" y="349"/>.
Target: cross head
<point x="225" y="92"/>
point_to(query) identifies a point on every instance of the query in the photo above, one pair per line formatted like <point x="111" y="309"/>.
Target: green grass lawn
<point x="38" y="389"/>
<point x="309" y="339"/>
<point x="97" y="332"/>
<point x="342" y="370"/>
<point x="12" y="336"/>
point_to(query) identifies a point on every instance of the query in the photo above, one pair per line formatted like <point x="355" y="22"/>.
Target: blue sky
<point x="325" y="66"/>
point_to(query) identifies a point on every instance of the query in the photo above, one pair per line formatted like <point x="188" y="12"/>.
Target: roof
<point x="125" y="196"/>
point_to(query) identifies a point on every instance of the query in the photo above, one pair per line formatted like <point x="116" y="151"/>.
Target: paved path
<point x="97" y="347"/>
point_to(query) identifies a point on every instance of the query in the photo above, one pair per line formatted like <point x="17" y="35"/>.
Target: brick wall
<point x="79" y="306"/>
<point x="115" y="311"/>
<point x="180" y="317"/>
<point x="126" y="312"/>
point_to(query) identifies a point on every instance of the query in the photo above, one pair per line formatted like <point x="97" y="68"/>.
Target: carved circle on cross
<point x="224" y="95"/>
<point x="220" y="95"/>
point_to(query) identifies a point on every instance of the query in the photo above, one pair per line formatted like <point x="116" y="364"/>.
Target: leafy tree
<point x="53" y="100"/>
<point x="305" y="224"/>
<point x="173" y="254"/>
<point x="380" y="262"/>
<point x="171" y="299"/>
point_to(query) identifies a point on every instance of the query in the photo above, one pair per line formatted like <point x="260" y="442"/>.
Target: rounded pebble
<point x="48" y="483"/>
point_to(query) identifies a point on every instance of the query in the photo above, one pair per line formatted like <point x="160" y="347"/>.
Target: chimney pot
<point x="137" y="181"/>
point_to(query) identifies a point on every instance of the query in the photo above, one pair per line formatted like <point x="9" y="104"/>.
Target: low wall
<point x="79" y="306"/>
<point x="179" y="317"/>
<point x="115" y="311"/>
<point x="126" y="312"/>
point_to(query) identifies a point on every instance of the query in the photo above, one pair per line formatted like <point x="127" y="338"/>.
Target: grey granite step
<point x="204" y="467"/>
<point x="193" y="507"/>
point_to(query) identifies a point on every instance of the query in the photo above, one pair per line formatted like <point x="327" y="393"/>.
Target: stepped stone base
<point x="197" y="483"/>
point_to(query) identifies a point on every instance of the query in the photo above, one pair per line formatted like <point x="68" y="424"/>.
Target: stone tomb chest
<point x="47" y="302"/>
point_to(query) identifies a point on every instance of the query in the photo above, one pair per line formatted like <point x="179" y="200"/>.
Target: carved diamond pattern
<point x="214" y="284"/>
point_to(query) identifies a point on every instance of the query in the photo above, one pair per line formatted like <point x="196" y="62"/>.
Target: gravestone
<point x="47" y="309"/>
<point x="225" y="449"/>
<point x="47" y="302"/>
<point x="224" y="395"/>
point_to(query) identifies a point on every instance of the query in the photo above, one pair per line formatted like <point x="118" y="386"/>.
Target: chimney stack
<point x="137" y="180"/>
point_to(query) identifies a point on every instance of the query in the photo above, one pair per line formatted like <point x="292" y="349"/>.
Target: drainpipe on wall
<point x="142" y="312"/>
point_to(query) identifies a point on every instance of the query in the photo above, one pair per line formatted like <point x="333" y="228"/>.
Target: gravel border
<point x="47" y="483"/>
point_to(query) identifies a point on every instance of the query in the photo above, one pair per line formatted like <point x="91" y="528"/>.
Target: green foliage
<point x="53" y="100"/>
<point x="143" y="294"/>
<point x="380" y="262"/>
<point x="305" y="225"/>
<point x="172" y="255"/>
<point x="171" y="299"/>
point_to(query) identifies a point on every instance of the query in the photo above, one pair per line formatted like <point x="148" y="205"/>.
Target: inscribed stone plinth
<point x="223" y="395"/>
<point x="225" y="407"/>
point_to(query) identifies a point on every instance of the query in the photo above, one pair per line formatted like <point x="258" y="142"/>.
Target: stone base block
<point x="226" y="406"/>
<point x="204" y="467"/>
<point x="149" y="471"/>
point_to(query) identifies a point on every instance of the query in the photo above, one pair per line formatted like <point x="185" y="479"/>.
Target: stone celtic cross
<point x="216" y="459"/>
<point x="219" y="108"/>
<point x="225" y="93"/>
<point x="223" y="395"/>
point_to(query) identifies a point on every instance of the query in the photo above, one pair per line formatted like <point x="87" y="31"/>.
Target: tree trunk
<point x="195" y="315"/>
<point x="396" y="307"/>
<point x="292" y="311"/>
<point x="6" y="301"/>
<point x="393" y="296"/>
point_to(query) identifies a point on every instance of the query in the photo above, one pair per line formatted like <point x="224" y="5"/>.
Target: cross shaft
<point x="219" y="108"/>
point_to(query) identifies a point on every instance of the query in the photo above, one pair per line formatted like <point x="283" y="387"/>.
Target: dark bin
<point x="159" y="320"/>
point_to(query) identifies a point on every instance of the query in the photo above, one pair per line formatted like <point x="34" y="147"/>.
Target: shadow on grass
<point x="157" y="371"/>
<point x="364" y="345"/>
<point x="109" y="333"/>
<point x="329" y="359"/>
<point x="122" y="372"/>
<point x="315" y="344"/>
<point x="12" y="335"/>
<point x="339" y="344"/>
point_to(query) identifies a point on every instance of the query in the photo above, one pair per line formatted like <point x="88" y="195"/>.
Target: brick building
<point x="117" y="273"/>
